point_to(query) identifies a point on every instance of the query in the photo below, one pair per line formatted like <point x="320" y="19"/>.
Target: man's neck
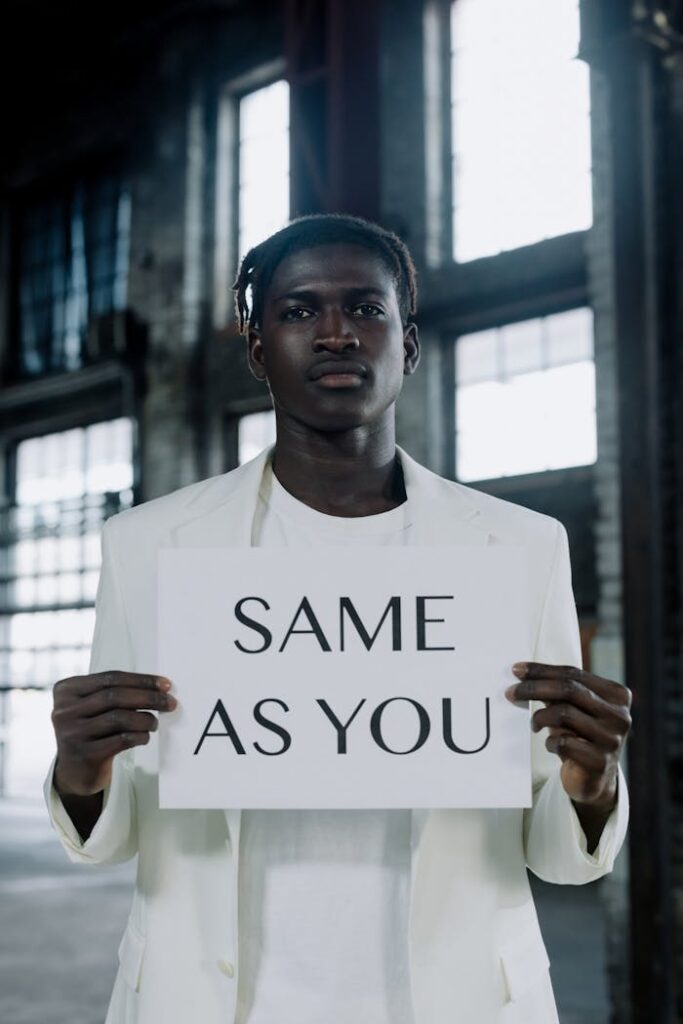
<point x="345" y="473"/>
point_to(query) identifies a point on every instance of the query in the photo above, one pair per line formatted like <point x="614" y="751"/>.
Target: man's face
<point x="331" y="344"/>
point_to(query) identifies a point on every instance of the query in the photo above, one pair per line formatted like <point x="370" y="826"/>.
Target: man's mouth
<point x="338" y="373"/>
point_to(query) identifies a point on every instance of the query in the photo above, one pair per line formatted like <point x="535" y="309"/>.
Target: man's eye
<point x="369" y="309"/>
<point x="296" y="313"/>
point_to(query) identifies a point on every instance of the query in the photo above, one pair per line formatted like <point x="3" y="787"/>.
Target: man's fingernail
<point x="520" y="669"/>
<point x="164" y="684"/>
<point x="510" y="692"/>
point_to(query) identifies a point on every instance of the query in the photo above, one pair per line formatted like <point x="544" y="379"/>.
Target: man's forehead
<point x="344" y="267"/>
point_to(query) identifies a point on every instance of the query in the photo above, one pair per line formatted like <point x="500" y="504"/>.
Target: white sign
<point x="333" y="678"/>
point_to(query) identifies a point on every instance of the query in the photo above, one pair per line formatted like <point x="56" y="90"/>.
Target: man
<point x="384" y="917"/>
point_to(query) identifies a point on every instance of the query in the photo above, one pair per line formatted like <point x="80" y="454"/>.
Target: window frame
<point x="226" y="201"/>
<point x="34" y="427"/>
<point x="480" y="312"/>
<point x="439" y="12"/>
<point x="56" y="188"/>
<point x="105" y="391"/>
<point x="512" y="482"/>
<point x="545" y="277"/>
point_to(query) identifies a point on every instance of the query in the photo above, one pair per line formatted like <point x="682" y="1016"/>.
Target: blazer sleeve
<point x="554" y="842"/>
<point x="114" y="837"/>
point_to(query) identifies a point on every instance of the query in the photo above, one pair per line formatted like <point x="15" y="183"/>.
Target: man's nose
<point x="335" y="334"/>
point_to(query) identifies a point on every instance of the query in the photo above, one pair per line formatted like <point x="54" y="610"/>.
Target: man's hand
<point x="589" y="719"/>
<point x="97" y="716"/>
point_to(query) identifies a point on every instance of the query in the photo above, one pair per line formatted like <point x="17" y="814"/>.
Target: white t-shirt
<point x="323" y="895"/>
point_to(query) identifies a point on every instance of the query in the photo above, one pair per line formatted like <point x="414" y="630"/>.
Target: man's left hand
<point x="588" y="718"/>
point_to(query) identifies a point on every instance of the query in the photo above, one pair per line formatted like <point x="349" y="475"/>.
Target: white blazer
<point x="476" y="952"/>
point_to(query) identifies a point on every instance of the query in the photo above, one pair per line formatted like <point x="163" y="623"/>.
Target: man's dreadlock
<point x="259" y="265"/>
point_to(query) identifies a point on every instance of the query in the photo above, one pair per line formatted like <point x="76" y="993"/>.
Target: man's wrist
<point x="83" y="810"/>
<point x="60" y="787"/>
<point x="594" y="814"/>
<point x="605" y="801"/>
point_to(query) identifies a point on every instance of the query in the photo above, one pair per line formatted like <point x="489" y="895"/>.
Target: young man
<point x="380" y="917"/>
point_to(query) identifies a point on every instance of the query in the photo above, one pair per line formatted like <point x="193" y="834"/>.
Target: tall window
<point x="73" y="265"/>
<point x="263" y="205"/>
<point x="66" y="485"/>
<point x="520" y="124"/>
<point x="525" y="397"/>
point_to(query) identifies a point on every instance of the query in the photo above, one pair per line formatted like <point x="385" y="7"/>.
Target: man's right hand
<point x="97" y="716"/>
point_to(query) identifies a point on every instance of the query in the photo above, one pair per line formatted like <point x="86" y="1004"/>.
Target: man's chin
<point x="339" y="422"/>
<point x="339" y="411"/>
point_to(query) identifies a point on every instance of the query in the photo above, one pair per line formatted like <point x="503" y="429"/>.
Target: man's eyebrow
<point x="310" y="295"/>
<point x="297" y="293"/>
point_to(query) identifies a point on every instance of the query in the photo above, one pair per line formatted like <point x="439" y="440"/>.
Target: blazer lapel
<point x="222" y="515"/>
<point x="443" y="513"/>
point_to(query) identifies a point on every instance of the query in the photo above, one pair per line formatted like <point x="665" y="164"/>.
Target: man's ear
<point x="411" y="349"/>
<point x="255" y="354"/>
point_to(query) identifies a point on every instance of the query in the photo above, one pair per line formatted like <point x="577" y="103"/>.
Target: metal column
<point x="332" y="50"/>
<point x="629" y="44"/>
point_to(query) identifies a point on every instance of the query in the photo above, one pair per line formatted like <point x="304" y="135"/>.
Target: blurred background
<point x="530" y="154"/>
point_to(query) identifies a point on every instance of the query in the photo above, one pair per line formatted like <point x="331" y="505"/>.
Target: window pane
<point x="263" y="164"/>
<point x="570" y="337"/>
<point x="109" y="449"/>
<point x="71" y="463"/>
<point x="522" y="347"/>
<point x="49" y="562"/>
<point x="32" y="743"/>
<point x="531" y="414"/>
<point x="73" y="265"/>
<point x="477" y="357"/>
<point x="256" y="432"/>
<point x="521" y="124"/>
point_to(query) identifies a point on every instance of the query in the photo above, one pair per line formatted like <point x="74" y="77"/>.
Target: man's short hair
<point x="259" y="264"/>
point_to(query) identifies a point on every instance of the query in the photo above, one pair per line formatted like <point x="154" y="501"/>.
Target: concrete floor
<point x="573" y="926"/>
<point x="60" y="926"/>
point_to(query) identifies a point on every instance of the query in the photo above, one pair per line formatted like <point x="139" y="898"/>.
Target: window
<point x="520" y="124"/>
<point x="525" y="397"/>
<point x="66" y="485"/>
<point x="255" y="432"/>
<point x="252" y="178"/>
<point x="73" y="265"/>
<point x="263" y="206"/>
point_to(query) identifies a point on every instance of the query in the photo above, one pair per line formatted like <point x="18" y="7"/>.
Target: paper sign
<point x="343" y="678"/>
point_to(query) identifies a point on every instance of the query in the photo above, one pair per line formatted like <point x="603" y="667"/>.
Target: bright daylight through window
<point x="67" y="483"/>
<point x="255" y="432"/>
<point x="520" y="124"/>
<point x="263" y="164"/>
<point x="525" y="397"/>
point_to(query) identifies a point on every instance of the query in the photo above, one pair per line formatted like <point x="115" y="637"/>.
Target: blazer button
<point x="226" y="968"/>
